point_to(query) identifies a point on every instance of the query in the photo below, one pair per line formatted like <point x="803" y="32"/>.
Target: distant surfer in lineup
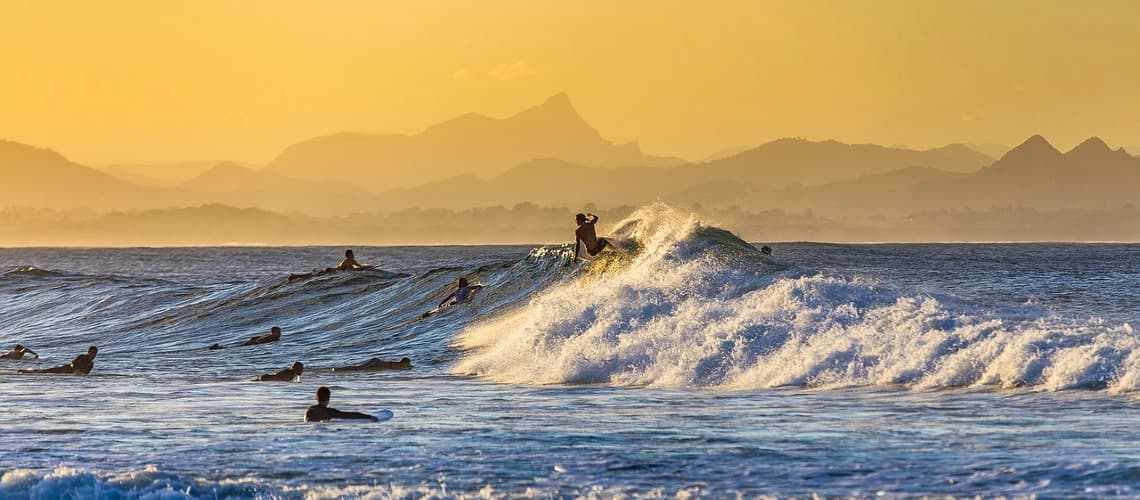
<point x="462" y="294"/>
<point x="377" y="364"/>
<point x="286" y="375"/>
<point x="766" y="250"/>
<point x="18" y="353"/>
<point x="321" y="412"/>
<point x="585" y="234"/>
<point x="349" y="263"/>
<point x="81" y="365"/>
<point x="273" y="336"/>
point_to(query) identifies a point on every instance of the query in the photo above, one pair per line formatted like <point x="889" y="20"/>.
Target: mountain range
<point x="548" y="155"/>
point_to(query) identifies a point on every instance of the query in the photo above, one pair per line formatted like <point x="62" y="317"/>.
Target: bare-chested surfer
<point x="286" y="375"/>
<point x="81" y="365"/>
<point x="350" y="264"/>
<point x="585" y="234"/>
<point x="273" y="336"/>
<point x="18" y="352"/>
<point x="377" y="364"/>
<point x="321" y="412"/>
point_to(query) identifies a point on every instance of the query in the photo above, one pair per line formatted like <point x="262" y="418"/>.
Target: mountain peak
<point x="1035" y="147"/>
<point x="1091" y="145"/>
<point x="557" y="105"/>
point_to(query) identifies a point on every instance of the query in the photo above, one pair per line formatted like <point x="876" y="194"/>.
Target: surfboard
<point x="383" y="415"/>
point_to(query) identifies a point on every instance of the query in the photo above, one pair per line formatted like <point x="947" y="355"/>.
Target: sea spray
<point x="697" y="307"/>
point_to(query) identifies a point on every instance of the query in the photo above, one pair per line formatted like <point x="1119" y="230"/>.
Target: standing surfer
<point x="586" y="234"/>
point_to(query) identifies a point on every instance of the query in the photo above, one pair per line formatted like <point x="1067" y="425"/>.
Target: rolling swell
<point x="697" y="307"/>
<point x="680" y="304"/>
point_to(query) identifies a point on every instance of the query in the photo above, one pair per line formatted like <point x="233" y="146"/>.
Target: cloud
<point x="513" y="72"/>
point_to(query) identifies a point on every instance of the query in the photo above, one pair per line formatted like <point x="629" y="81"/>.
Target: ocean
<point x="686" y="364"/>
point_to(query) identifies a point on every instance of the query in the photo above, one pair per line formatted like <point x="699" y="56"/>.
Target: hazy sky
<point x="147" y="80"/>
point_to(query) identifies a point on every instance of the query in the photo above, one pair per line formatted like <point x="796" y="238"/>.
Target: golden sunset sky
<point x="159" y="81"/>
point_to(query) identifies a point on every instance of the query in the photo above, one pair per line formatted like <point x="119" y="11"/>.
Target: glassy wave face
<point x="684" y="362"/>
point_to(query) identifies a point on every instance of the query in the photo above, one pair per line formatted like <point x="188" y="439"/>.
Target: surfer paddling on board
<point x="81" y="365"/>
<point x="321" y="412"/>
<point x="377" y="364"/>
<point x="273" y="336"/>
<point x="18" y="352"/>
<point x="462" y="294"/>
<point x="586" y="234"/>
<point x="350" y="264"/>
<point x="286" y="375"/>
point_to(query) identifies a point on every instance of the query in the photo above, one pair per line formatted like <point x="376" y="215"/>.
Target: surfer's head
<point x="323" y="395"/>
<point x="766" y="250"/>
<point x="580" y="218"/>
<point x="348" y="254"/>
<point x="462" y="281"/>
<point x="275" y="330"/>
<point x="19" y="348"/>
<point x="298" y="367"/>
<point x="92" y="351"/>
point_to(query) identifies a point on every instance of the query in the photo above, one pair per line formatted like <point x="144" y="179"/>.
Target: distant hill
<point x="989" y="149"/>
<point x="470" y="144"/>
<point x="160" y="174"/>
<point x="232" y="184"/>
<point x="747" y="179"/>
<point x="42" y="178"/>
<point x="798" y="161"/>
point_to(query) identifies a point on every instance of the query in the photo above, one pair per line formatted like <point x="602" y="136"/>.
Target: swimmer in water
<point x="321" y="412"/>
<point x="18" y="352"/>
<point x="377" y="364"/>
<point x="81" y="365"/>
<point x="286" y="375"/>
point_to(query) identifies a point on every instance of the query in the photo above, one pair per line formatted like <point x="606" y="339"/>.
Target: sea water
<point x="686" y="364"/>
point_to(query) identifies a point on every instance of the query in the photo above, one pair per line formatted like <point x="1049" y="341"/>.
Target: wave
<point x="698" y="307"/>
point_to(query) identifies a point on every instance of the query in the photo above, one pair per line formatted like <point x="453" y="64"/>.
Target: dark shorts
<point x="602" y="243"/>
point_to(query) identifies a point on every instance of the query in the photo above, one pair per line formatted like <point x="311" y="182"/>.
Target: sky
<point x="154" y="81"/>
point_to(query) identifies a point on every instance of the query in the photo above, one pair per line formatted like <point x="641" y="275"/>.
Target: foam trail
<point x="697" y="307"/>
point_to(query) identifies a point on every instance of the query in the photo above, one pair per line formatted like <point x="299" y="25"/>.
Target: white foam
<point x="697" y="308"/>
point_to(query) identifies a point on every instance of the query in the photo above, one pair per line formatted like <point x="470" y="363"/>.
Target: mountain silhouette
<point x="798" y="161"/>
<point x="234" y="185"/>
<point x="42" y="178"/>
<point x="469" y="144"/>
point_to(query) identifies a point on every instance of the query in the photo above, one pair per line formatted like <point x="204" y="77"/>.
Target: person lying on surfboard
<point x="321" y="412"/>
<point x="585" y="234"/>
<point x="350" y="264"/>
<point x="377" y="364"/>
<point x="81" y="365"/>
<point x="273" y="336"/>
<point x="18" y="353"/>
<point x="286" y="375"/>
<point x="461" y="295"/>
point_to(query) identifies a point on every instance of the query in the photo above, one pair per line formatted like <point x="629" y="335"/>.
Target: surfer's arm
<point x="33" y="353"/>
<point x="577" y="246"/>
<point x="449" y="297"/>
<point x="593" y="219"/>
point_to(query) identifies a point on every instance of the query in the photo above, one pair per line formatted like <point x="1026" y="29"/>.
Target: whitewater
<point x="684" y="364"/>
